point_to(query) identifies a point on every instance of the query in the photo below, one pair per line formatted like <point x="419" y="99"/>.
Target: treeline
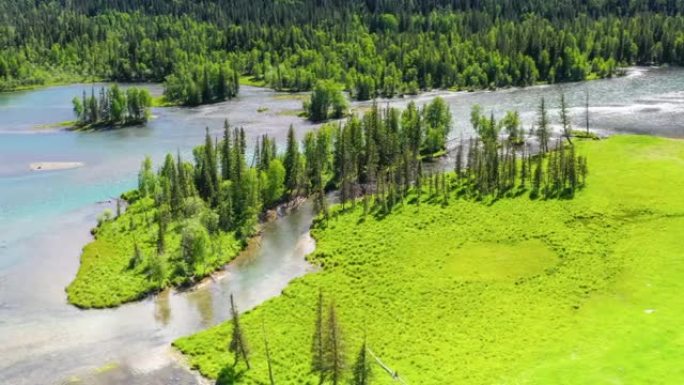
<point x="489" y="165"/>
<point x="112" y="106"/>
<point x="376" y="160"/>
<point x="193" y="85"/>
<point x="380" y="153"/>
<point x="379" y="158"/>
<point x="372" y="48"/>
<point x="216" y="193"/>
<point x="220" y="178"/>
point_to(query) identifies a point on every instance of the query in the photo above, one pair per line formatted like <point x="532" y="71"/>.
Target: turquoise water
<point x="45" y="216"/>
<point x="111" y="158"/>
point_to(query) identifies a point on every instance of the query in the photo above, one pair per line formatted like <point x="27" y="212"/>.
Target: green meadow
<point x="515" y="291"/>
<point x="112" y="272"/>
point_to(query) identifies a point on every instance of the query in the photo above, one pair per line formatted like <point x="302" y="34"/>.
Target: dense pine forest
<point x="370" y="48"/>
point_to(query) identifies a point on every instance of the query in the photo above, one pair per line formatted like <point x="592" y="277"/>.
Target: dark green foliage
<point x="334" y="347"/>
<point x="437" y="123"/>
<point x="543" y="127"/>
<point x="292" y="162"/>
<point x="201" y="84"/>
<point x="193" y="208"/>
<point x="327" y="102"/>
<point x="493" y="167"/>
<point x="195" y="246"/>
<point x="362" y="369"/>
<point x="564" y="116"/>
<point x="372" y="48"/>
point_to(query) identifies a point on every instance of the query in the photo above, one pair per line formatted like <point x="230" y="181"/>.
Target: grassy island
<point x="512" y="291"/>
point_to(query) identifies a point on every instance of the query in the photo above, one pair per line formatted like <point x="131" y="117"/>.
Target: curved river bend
<point x="45" y="218"/>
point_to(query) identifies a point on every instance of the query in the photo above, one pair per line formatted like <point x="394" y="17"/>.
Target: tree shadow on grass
<point x="229" y="375"/>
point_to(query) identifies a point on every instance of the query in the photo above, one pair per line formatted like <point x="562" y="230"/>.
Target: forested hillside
<point x="372" y="48"/>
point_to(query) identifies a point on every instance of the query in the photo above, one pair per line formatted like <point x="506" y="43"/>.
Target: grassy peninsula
<point x="122" y="265"/>
<point x="512" y="291"/>
<point x="188" y="218"/>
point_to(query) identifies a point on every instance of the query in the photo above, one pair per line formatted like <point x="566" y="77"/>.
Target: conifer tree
<point x="334" y="348"/>
<point x="161" y="230"/>
<point x="565" y="119"/>
<point x="291" y="163"/>
<point x="226" y="153"/>
<point x="537" y="177"/>
<point x="586" y="109"/>
<point x="543" y="127"/>
<point x="362" y="368"/>
<point x="238" y="341"/>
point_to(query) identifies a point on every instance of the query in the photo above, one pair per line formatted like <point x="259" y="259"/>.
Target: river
<point x="45" y="217"/>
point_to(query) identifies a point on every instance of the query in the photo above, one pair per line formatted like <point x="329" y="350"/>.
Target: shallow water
<point x="45" y="217"/>
<point x="646" y="101"/>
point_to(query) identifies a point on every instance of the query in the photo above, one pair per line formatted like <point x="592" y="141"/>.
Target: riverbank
<point x="120" y="265"/>
<point x="61" y="79"/>
<point x="519" y="291"/>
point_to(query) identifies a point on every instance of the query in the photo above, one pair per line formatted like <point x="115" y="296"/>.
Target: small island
<point x="54" y="166"/>
<point x="113" y="107"/>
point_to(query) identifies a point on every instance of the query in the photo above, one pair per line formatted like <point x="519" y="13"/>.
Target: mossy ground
<point x="107" y="277"/>
<point x="248" y="80"/>
<point x="161" y="101"/>
<point x="582" y="291"/>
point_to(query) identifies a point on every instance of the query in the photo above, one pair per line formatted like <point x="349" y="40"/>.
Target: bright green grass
<point x="248" y="80"/>
<point x="586" y="291"/>
<point x="501" y="261"/>
<point x="106" y="278"/>
<point x="46" y="77"/>
<point x="161" y="101"/>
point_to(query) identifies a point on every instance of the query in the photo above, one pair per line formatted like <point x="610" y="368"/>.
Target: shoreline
<point x="270" y="216"/>
<point x="267" y="217"/>
<point x="161" y="102"/>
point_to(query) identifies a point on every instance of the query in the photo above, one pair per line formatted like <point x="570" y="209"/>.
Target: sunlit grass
<point x="582" y="291"/>
<point x="107" y="277"/>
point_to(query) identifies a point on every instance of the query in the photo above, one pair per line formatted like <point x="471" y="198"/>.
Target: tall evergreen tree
<point x="362" y="368"/>
<point x="291" y="162"/>
<point x="565" y="119"/>
<point x="238" y="341"/>
<point x="543" y="133"/>
<point x="226" y="153"/>
<point x="334" y="348"/>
